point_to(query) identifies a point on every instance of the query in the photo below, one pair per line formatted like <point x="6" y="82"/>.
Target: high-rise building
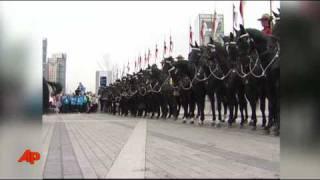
<point x="208" y="19"/>
<point x="56" y="69"/>
<point x="44" y="58"/>
<point x="103" y="79"/>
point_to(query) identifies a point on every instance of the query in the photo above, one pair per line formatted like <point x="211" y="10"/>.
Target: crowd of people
<point x="79" y="101"/>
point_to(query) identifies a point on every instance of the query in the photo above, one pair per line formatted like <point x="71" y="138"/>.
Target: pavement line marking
<point x="130" y="162"/>
<point x="46" y="144"/>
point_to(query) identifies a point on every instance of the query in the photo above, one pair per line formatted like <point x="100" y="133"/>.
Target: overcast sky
<point x="97" y="35"/>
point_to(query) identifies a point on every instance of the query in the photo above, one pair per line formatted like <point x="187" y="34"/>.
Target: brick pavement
<point x="88" y="145"/>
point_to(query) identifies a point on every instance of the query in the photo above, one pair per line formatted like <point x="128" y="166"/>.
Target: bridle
<point x="251" y="69"/>
<point x="212" y="72"/>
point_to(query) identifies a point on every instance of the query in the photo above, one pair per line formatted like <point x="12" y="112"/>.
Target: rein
<point x="264" y="70"/>
<point x="158" y="91"/>
<point x="251" y="69"/>
<point x="194" y="78"/>
<point x="215" y="76"/>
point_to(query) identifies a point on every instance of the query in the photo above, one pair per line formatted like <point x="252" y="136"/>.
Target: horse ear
<point x="196" y="44"/>
<point x="275" y="14"/>
<point x="237" y="32"/>
<point x="231" y="36"/>
<point x="191" y="45"/>
<point x="211" y="40"/>
<point x="242" y="30"/>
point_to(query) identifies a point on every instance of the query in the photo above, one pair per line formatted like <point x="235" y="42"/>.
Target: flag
<point x="139" y="61"/>
<point x="241" y="10"/>
<point x="145" y="58"/>
<point x="190" y="35"/>
<point x="235" y="17"/>
<point x="117" y="73"/>
<point x="123" y="70"/>
<point x="171" y="45"/>
<point x="135" y="64"/>
<point x="203" y="30"/>
<point x="156" y="53"/>
<point x="214" y="22"/>
<point x="149" y="54"/>
<point x="128" y="67"/>
<point x="164" y="48"/>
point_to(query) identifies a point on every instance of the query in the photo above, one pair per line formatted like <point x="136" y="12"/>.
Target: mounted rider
<point x="266" y="22"/>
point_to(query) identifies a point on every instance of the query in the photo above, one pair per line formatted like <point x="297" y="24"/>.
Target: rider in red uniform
<point x="266" y="22"/>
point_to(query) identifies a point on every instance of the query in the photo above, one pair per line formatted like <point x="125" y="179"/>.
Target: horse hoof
<point x="266" y="128"/>
<point x="277" y="133"/>
<point x="254" y="128"/>
<point x="251" y="123"/>
<point x="266" y="131"/>
<point x="218" y="125"/>
<point x="213" y="123"/>
<point x="192" y="122"/>
<point x="184" y="121"/>
<point x="241" y="126"/>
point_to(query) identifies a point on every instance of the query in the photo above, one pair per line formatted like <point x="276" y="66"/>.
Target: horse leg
<point x="236" y="103"/>
<point x="191" y="111"/>
<point x="253" y="104"/>
<point x="225" y="108"/>
<point x="185" y="113"/>
<point x="174" y="107"/>
<point x="262" y="109"/>
<point x="242" y="104"/>
<point x="219" y="104"/>
<point x="271" y="114"/>
<point x="212" y="101"/>
<point x="246" y="111"/>
<point x="231" y="108"/>
<point x="202" y="103"/>
<point x="178" y="105"/>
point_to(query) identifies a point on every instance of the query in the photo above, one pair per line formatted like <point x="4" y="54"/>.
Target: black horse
<point x="215" y="86"/>
<point x="189" y="77"/>
<point x="163" y="93"/>
<point x="254" y="40"/>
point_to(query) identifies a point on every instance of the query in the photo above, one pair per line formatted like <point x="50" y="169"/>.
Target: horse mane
<point x="185" y="67"/>
<point x="257" y="35"/>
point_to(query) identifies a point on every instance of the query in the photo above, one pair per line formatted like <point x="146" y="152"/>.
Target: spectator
<point x="94" y="104"/>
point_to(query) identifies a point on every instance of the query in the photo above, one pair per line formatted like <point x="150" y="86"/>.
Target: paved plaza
<point x="106" y="146"/>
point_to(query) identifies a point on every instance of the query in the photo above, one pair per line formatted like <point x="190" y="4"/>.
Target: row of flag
<point x="138" y="63"/>
<point x="147" y="56"/>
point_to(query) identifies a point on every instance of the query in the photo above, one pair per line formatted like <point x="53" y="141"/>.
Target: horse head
<point x="232" y="49"/>
<point x="195" y="54"/>
<point x="167" y="64"/>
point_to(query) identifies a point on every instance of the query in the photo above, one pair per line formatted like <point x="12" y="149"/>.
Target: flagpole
<point x="233" y="14"/>
<point x="271" y="15"/>
<point x="212" y="34"/>
<point x="215" y="19"/>
<point x="241" y="11"/>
